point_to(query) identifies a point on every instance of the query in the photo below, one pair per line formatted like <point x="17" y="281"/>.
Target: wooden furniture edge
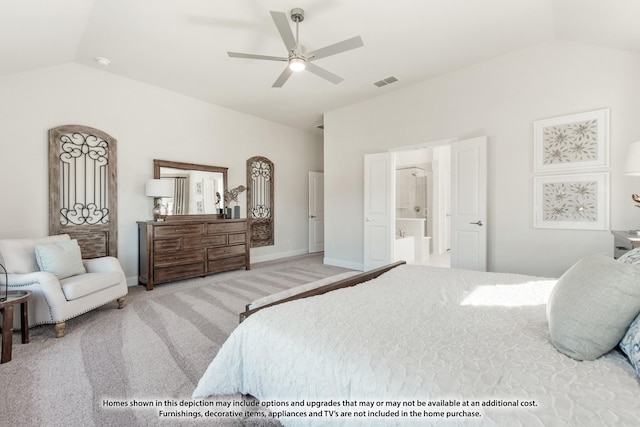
<point x="344" y="283"/>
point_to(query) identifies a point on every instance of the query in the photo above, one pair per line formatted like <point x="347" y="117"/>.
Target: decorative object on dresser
<point x="63" y="285"/>
<point x="83" y="188"/>
<point x="159" y="188"/>
<point x="181" y="249"/>
<point x="260" y="201"/>
<point x="232" y="196"/>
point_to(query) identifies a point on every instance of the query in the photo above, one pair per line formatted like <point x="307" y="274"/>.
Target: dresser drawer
<point x="225" y="251"/>
<point x="230" y="263"/>
<point x="205" y="241"/>
<point x="165" y="245"/>
<point x="167" y="274"/>
<point x="226" y="227"/>
<point x="178" y="230"/>
<point x="180" y="257"/>
<point x="237" y="238"/>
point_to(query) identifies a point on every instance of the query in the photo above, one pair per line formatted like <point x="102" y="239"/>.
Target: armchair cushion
<point x="62" y="259"/>
<point x="19" y="254"/>
<point x="86" y="284"/>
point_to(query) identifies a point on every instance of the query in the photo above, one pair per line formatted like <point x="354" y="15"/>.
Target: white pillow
<point x="63" y="259"/>
<point x="592" y="306"/>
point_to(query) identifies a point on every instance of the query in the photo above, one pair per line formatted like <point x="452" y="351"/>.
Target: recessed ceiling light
<point x="103" y="61"/>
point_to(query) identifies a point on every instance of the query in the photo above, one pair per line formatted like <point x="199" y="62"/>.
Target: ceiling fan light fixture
<point x="297" y="64"/>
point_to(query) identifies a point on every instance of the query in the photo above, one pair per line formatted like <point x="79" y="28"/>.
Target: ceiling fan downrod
<point x="297" y="60"/>
<point x="297" y="16"/>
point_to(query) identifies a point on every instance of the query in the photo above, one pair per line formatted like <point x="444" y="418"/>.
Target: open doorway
<point x="465" y="224"/>
<point x="423" y="204"/>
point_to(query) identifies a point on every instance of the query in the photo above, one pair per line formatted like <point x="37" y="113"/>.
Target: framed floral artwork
<point x="571" y="142"/>
<point x="572" y="201"/>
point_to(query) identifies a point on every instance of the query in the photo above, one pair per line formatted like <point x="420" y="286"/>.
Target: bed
<point x="433" y="346"/>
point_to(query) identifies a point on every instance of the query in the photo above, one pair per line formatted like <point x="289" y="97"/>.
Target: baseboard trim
<point x="343" y="264"/>
<point x="279" y="255"/>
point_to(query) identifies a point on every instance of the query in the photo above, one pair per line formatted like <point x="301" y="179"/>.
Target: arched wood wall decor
<point x="83" y="188"/>
<point x="260" y="201"/>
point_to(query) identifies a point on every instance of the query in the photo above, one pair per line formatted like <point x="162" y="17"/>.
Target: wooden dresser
<point x="181" y="249"/>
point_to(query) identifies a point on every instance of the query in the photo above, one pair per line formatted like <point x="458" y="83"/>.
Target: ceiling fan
<point x="298" y="59"/>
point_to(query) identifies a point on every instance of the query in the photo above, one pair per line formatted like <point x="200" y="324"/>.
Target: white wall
<point x="149" y="123"/>
<point x="501" y="99"/>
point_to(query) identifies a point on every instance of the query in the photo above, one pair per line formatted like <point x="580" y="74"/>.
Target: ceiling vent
<point x="387" y="81"/>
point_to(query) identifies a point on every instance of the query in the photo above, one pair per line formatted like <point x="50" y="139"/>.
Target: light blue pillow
<point x="63" y="259"/>
<point x="631" y="257"/>
<point x="592" y="305"/>
<point x="630" y="344"/>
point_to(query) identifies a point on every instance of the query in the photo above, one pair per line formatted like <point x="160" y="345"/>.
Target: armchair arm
<point x="102" y="265"/>
<point x="18" y="280"/>
<point x="40" y="282"/>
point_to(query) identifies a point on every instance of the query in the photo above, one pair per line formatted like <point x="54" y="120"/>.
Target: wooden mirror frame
<point x="157" y="164"/>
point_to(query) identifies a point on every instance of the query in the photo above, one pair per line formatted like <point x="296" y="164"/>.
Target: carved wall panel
<point x="83" y="188"/>
<point x="260" y="201"/>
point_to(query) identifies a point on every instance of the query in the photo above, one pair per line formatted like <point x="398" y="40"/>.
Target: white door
<point x="316" y="212"/>
<point x="469" y="204"/>
<point x="379" y="213"/>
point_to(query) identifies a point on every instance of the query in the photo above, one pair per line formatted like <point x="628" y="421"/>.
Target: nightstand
<point x="623" y="242"/>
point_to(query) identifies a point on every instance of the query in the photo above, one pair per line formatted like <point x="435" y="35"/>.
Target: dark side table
<point x="6" y="307"/>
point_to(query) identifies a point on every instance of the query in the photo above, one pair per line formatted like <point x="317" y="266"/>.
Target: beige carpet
<point x="154" y="349"/>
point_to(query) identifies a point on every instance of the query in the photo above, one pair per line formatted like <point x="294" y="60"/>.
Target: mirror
<point x="198" y="189"/>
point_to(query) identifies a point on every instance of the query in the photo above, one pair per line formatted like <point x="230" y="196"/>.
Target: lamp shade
<point x="632" y="165"/>
<point x="159" y="188"/>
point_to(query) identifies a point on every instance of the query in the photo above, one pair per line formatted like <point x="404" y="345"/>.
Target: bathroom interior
<point x="422" y="206"/>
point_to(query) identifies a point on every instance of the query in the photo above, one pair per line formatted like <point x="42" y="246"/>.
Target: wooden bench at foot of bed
<point x="344" y="283"/>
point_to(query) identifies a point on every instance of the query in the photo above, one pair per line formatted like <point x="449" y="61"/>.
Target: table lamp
<point x="159" y="188"/>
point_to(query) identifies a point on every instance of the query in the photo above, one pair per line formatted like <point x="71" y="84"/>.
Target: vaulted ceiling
<point x="181" y="45"/>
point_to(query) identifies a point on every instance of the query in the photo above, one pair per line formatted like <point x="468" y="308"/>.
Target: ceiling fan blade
<point x="252" y="56"/>
<point x="282" y="24"/>
<point x="333" y="49"/>
<point x="321" y="72"/>
<point x="283" y="77"/>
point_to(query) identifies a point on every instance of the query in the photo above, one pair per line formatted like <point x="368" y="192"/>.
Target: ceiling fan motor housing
<point x="297" y="14"/>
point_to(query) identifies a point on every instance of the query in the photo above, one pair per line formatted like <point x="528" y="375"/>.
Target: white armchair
<point x="63" y="292"/>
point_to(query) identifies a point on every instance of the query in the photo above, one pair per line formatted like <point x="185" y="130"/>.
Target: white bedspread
<point x="423" y="333"/>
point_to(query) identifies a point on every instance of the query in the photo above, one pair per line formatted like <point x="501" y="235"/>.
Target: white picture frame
<point x="575" y="141"/>
<point x="572" y="201"/>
